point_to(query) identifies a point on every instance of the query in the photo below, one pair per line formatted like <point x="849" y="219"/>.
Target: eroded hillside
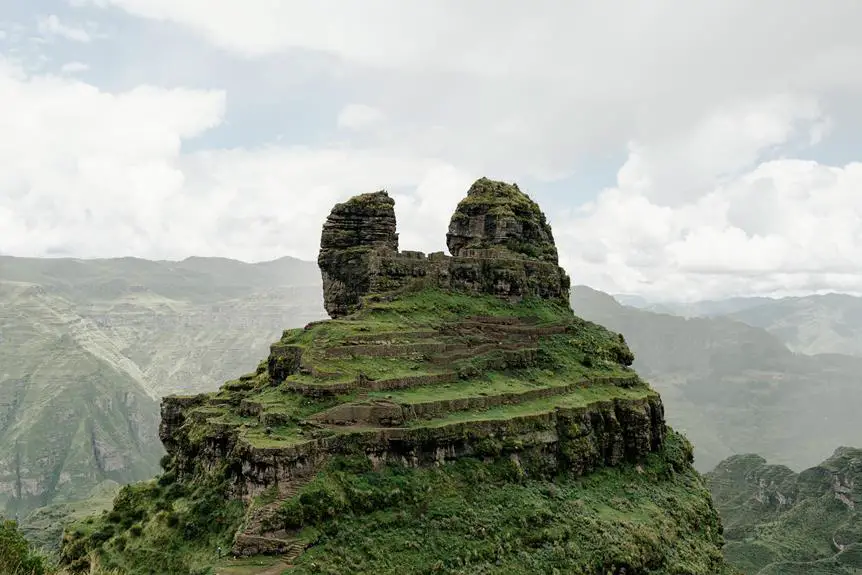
<point x="781" y="522"/>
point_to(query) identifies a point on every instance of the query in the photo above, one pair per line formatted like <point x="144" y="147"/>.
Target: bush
<point x="290" y="514"/>
<point x="15" y="554"/>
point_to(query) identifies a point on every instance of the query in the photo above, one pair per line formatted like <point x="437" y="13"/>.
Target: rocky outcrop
<point x="354" y="231"/>
<point x="498" y="216"/>
<point x="500" y="241"/>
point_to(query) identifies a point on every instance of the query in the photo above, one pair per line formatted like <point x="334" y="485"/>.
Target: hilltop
<point x="453" y="416"/>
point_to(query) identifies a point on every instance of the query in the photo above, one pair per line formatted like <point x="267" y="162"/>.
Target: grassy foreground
<point x="470" y="517"/>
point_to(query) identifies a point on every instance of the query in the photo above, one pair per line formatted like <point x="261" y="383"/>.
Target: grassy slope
<point x="470" y="517"/>
<point x="564" y="358"/>
<point x="467" y="518"/>
<point x="777" y="521"/>
<point x="733" y="388"/>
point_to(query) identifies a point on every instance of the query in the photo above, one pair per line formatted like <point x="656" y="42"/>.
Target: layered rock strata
<point x="500" y="241"/>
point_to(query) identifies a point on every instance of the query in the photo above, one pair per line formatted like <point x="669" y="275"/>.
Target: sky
<point x="681" y="150"/>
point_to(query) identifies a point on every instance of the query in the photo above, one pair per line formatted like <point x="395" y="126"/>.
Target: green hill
<point x="777" y="521"/>
<point x="453" y="416"/>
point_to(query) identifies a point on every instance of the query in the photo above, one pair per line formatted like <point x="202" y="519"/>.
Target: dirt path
<point x="276" y="568"/>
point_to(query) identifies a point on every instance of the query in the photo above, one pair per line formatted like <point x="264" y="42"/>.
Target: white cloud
<point x="99" y="174"/>
<point x="783" y="226"/>
<point x="51" y="26"/>
<point x="74" y="67"/>
<point x="538" y="89"/>
<point x="359" y="116"/>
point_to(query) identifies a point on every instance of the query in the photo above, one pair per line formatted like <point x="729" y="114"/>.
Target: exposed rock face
<point x="498" y="215"/>
<point x="353" y="232"/>
<point x="500" y="241"/>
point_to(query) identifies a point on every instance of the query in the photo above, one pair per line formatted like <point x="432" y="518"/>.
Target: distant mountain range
<point x="736" y="388"/>
<point x="88" y="347"/>
<point x="814" y="324"/>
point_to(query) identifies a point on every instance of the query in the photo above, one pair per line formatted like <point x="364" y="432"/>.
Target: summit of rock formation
<point x="497" y="215"/>
<point x="500" y="241"/>
<point x="355" y="232"/>
<point x="453" y="416"/>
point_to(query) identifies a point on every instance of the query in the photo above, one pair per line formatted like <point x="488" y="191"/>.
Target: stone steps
<point x="254" y="539"/>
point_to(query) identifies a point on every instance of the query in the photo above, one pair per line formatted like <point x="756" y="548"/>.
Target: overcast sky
<point x="681" y="149"/>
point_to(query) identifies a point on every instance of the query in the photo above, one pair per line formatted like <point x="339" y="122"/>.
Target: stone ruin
<point x="499" y="239"/>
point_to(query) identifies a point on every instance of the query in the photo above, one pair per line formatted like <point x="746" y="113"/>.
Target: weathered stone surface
<point x="500" y="241"/>
<point x="283" y="360"/>
<point x="498" y="215"/>
<point x="353" y="231"/>
<point x="581" y="439"/>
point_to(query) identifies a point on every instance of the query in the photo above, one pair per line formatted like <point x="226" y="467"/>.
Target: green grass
<point x="581" y="398"/>
<point x="473" y="517"/>
<point x="158" y="528"/>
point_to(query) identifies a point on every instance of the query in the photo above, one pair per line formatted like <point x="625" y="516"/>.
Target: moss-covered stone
<point x="499" y="215"/>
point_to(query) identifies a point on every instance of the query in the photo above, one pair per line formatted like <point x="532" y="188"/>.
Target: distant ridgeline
<point x="453" y="416"/>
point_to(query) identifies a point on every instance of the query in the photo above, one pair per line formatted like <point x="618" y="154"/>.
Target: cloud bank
<point x="721" y="133"/>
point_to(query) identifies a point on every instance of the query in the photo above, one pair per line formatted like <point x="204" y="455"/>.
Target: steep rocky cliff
<point x="454" y="416"/>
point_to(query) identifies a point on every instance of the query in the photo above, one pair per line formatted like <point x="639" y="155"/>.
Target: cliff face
<point x="468" y="368"/>
<point x="355" y="234"/>
<point x="496" y="215"/>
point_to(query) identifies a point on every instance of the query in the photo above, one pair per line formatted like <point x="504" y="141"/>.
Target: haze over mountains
<point x="89" y="346"/>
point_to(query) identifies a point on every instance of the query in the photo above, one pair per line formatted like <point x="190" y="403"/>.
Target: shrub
<point x="15" y="553"/>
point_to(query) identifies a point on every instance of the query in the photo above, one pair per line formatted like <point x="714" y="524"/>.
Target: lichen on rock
<point x="498" y="215"/>
<point x="353" y="231"/>
<point x="499" y="239"/>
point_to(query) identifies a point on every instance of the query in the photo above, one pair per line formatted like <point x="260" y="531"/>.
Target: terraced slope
<point x="411" y="369"/>
<point x="439" y="377"/>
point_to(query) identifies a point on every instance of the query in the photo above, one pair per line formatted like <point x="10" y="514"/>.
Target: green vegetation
<point x="160" y="527"/>
<point x="778" y="521"/>
<point x="475" y="517"/>
<point x="16" y="555"/>
<point x="472" y="516"/>
<point x="468" y="517"/>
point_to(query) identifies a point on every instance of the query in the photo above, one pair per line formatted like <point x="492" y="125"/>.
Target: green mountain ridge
<point x="781" y="522"/>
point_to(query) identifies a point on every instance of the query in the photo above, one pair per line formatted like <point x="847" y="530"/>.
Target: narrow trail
<point x="274" y="569"/>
